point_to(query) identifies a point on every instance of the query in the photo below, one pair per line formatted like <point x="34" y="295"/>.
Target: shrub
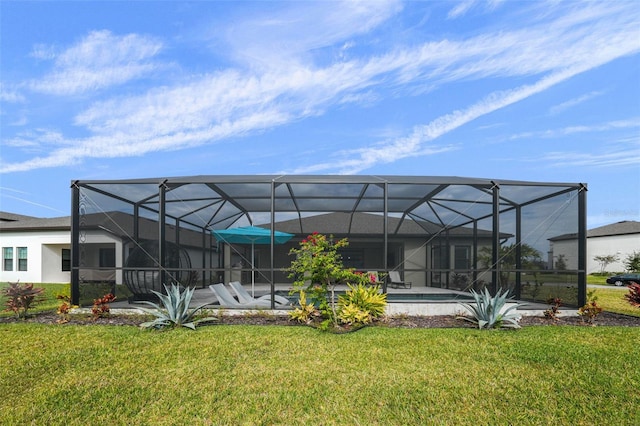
<point x="317" y="268"/>
<point x="489" y="312"/>
<point x="590" y="311"/>
<point x="632" y="262"/>
<point x="361" y="304"/>
<point x="64" y="308"/>
<point x="101" y="306"/>
<point x="175" y="309"/>
<point x="20" y="298"/>
<point x="305" y="312"/>
<point x="554" y="309"/>
<point x="633" y="297"/>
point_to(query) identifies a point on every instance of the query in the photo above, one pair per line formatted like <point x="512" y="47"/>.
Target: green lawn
<point x="49" y="302"/>
<point x="613" y="300"/>
<point x="597" y="279"/>
<point x="229" y="375"/>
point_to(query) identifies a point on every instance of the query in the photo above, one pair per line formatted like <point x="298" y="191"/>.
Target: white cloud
<point x="11" y="96"/>
<point x="461" y="8"/>
<point x="556" y="109"/>
<point x="43" y="51"/>
<point x="618" y="158"/>
<point x="232" y="102"/>
<point x="98" y="61"/>
<point x="603" y="127"/>
<point x="276" y="41"/>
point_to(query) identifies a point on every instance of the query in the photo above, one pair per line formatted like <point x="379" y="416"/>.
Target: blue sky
<point x="536" y="91"/>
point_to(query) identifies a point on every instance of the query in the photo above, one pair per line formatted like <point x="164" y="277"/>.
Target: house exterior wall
<point x="52" y="264"/>
<point x="620" y="245"/>
<point x="44" y="256"/>
<point x="569" y="250"/>
<point x="415" y="257"/>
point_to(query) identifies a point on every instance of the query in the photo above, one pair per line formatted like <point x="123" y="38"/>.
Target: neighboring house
<point x="38" y="250"/>
<point x="35" y="250"/>
<point x="620" y="239"/>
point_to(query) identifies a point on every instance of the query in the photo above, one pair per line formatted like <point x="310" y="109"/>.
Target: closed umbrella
<point x="251" y="235"/>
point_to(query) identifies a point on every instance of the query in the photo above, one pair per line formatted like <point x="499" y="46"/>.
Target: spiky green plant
<point x="174" y="311"/>
<point x="361" y="304"/>
<point x="487" y="311"/>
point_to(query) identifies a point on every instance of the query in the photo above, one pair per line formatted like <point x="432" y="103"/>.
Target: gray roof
<point x="12" y="217"/>
<point x="625" y="227"/>
<point x="29" y="223"/>
<point x="366" y="224"/>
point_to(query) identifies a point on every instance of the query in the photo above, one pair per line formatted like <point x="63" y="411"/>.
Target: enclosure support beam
<point x="75" y="246"/>
<point x="518" y="289"/>
<point x="272" y="248"/>
<point x="582" y="245"/>
<point x="162" y="234"/>
<point x="385" y="226"/>
<point x="495" y="243"/>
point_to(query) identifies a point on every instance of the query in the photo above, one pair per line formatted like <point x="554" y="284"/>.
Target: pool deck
<point x="204" y="296"/>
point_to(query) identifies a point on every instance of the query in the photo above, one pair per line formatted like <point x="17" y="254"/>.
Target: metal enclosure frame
<point x="437" y="207"/>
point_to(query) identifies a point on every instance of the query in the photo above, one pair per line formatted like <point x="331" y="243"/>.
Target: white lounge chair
<point x="226" y="300"/>
<point x="245" y="297"/>
<point x="396" y="282"/>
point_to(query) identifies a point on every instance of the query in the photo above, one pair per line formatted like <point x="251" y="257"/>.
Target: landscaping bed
<point x="399" y="321"/>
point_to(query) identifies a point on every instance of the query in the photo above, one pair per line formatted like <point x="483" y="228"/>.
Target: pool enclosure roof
<point x="224" y="201"/>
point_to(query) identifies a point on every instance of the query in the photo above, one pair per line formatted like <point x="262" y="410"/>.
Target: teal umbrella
<point x="251" y="235"/>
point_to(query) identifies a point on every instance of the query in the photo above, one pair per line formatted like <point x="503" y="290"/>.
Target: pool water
<point x="407" y="297"/>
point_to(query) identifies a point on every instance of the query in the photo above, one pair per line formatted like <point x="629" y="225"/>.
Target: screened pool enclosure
<point x="453" y="233"/>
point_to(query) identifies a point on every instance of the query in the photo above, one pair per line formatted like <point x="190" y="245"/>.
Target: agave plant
<point x="174" y="311"/>
<point x="488" y="312"/>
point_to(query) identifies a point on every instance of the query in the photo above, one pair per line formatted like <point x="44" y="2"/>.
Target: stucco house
<point x="620" y="239"/>
<point x="35" y="250"/>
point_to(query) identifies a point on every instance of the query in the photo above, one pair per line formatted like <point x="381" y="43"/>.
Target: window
<point x="107" y="257"/>
<point x="22" y="258"/>
<point x="7" y="258"/>
<point x="462" y="257"/>
<point x="66" y="259"/>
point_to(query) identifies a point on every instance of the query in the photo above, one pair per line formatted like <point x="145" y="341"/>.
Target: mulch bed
<point x="441" y="321"/>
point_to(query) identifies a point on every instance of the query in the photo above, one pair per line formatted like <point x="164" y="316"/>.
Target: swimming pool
<point x="407" y="297"/>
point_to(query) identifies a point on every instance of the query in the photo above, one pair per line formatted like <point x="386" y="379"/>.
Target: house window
<point x="7" y="258"/>
<point x="66" y="259"/>
<point x="462" y="258"/>
<point x="22" y="258"/>
<point x="107" y="257"/>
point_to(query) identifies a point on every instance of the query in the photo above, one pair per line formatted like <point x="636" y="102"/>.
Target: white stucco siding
<point x="620" y="245"/>
<point x="415" y="257"/>
<point x="37" y="255"/>
<point x="52" y="264"/>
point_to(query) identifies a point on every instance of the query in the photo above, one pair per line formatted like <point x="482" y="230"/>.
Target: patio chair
<point x="245" y="297"/>
<point x="226" y="300"/>
<point x="396" y="282"/>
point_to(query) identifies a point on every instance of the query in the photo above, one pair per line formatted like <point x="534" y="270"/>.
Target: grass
<point x="78" y="375"/>
<point x="598" y="279"/>
<point x="613" y="300"/>
<point x="49" y="302"/>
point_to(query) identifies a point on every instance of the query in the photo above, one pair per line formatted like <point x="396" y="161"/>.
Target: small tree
<point x="632" y="262"/>
<point x="561" y="263"/>
<point x="317" y="268"/>
<point x="20" y="298"/>
<point x="633" y="297"/>
<point x="531" y="259"/>
<point x="605" y="260"/>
